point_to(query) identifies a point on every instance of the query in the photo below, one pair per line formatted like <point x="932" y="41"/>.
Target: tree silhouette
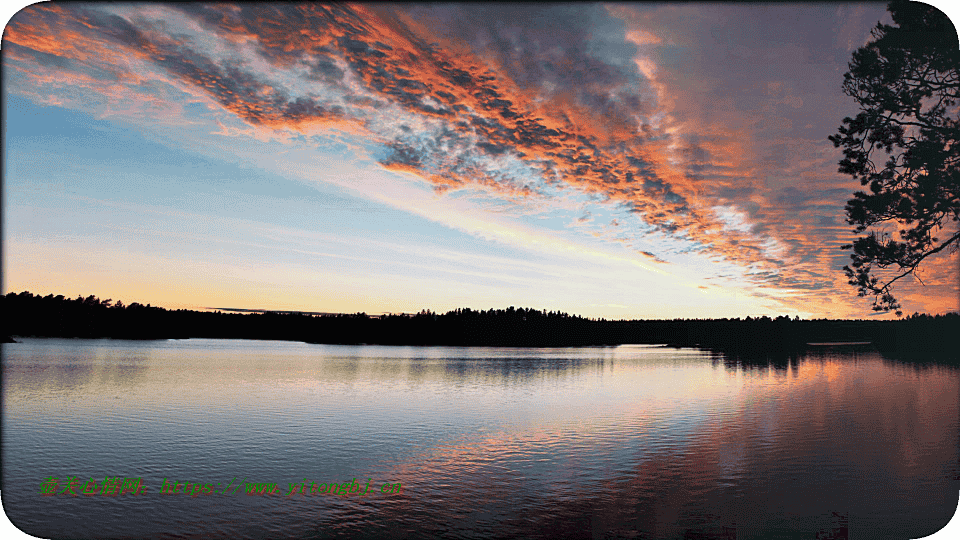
<point x="907" y="83"/>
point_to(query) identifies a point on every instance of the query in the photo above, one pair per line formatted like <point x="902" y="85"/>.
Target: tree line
<point x="89" y="317"/>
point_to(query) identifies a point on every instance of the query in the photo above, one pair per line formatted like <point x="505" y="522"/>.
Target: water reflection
<point x="560" y="443"/>
<point x="790" y="461"/>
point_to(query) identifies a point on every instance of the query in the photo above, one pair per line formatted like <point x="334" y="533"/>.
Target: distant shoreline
<point x="919" y="336"/>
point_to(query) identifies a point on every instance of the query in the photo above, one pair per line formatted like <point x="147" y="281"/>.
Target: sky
<point x="608" y="160"/>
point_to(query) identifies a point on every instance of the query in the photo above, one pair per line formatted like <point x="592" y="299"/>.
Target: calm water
<point x="634" y="442"/>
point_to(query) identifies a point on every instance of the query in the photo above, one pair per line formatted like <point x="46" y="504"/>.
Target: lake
<point x="606" y="442"/>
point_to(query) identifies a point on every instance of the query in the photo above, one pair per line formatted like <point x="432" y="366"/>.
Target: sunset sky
<point x="617" y="161"/>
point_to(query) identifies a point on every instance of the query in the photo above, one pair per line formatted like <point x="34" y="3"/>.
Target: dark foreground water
<point x="632" y="442"/>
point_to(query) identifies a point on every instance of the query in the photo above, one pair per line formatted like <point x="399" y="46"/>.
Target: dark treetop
<point x="904" y="144"/>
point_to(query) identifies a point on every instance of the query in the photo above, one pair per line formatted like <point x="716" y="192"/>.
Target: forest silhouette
<point x="921" y="337"/>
